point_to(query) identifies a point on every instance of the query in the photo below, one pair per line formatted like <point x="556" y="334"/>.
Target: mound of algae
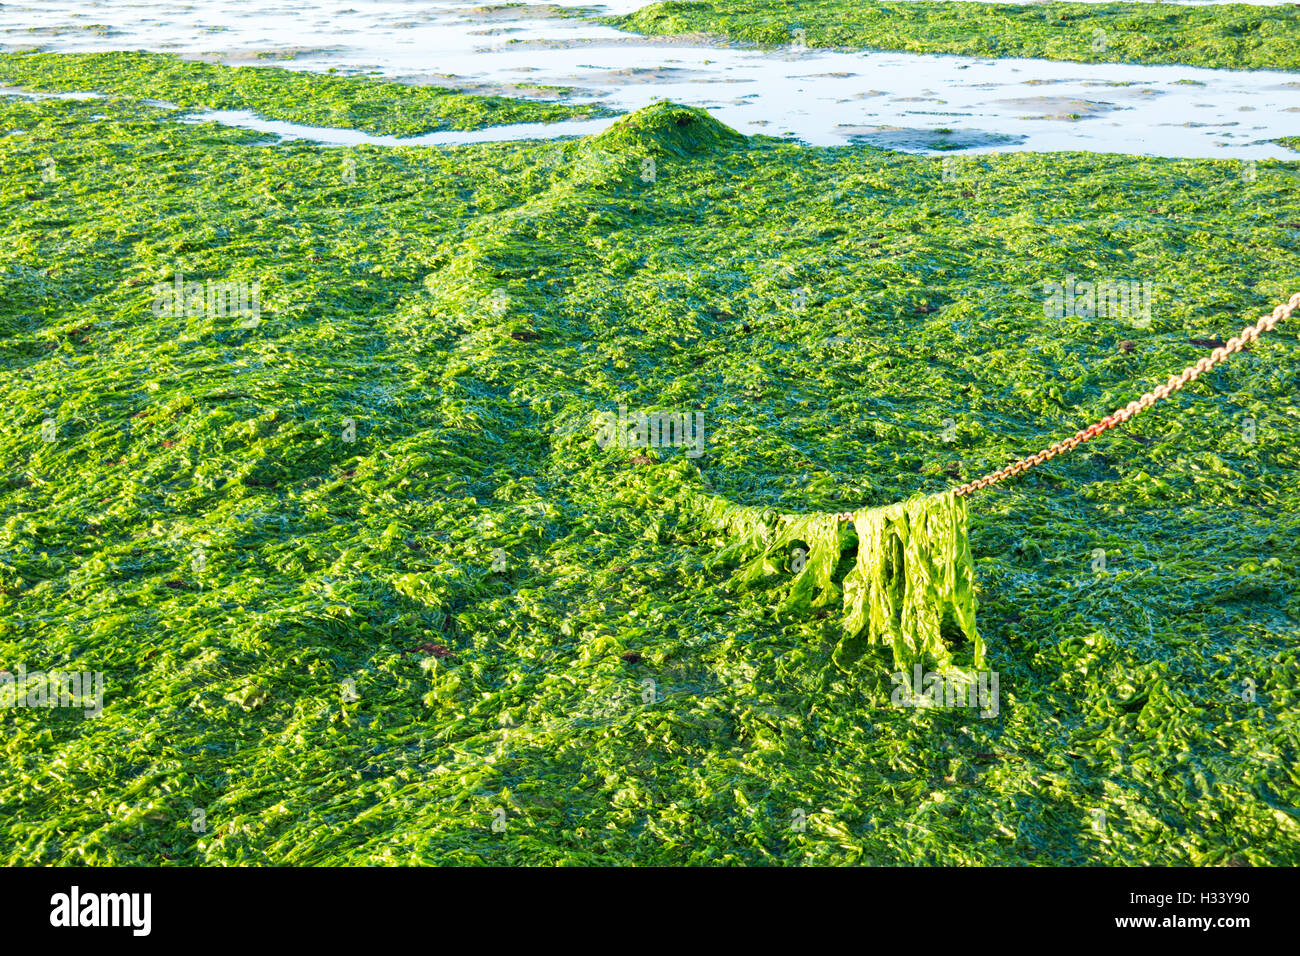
<point x="902" y="574"/>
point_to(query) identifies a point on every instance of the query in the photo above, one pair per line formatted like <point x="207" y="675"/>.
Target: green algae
<point x="911" y="582"/>
<point x="349" y="102"/>
<point x="372" y="644"/>
<point x="1228" y="36"/>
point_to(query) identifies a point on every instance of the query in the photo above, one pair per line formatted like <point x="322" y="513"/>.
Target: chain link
<point x="1190" y="374"/>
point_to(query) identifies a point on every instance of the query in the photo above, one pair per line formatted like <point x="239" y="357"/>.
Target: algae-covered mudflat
<point x="1229" y="36"/>
<point x="316" y="457"/>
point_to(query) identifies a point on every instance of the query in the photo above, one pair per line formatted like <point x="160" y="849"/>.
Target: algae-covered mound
<point x="912" y="581"/>
<point x="667" y="129"/>
<point x="634" y="149"/>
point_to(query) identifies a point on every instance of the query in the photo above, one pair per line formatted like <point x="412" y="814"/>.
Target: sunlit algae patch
<point x="911" y="583"/>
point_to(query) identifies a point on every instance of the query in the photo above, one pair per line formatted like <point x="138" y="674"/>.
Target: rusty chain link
<point x="1190" y="374"/>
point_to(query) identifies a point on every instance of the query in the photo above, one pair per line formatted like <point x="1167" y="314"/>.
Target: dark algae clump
<point x="1228" y="36"/>
<point x="368" y="583"/>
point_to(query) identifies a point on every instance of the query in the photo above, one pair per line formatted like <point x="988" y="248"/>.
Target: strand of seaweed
<point x="911" y="586"/>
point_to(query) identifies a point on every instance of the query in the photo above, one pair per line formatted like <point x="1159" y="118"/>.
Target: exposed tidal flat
<point x="1039" y="106"/>
<point x="1205" y="80"/>
<point x="365" y="587"/>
